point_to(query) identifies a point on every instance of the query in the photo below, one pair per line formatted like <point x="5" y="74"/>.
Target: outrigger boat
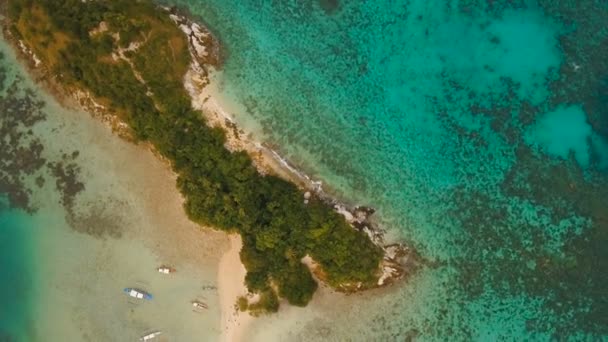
<point x="136" y="293"/>
<point x="199" y="305"/>
<point x="166" y="269"/>
<point x="150" y="336"/>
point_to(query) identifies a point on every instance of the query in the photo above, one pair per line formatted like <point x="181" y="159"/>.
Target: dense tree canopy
<point x="222" y="188"/>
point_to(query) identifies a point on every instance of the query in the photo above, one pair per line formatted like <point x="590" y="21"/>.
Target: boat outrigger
<point x="199" y="305"/>
<point x="166" y="269"/>
<point x="136" y="293"/>
<point x="150" y="336"/>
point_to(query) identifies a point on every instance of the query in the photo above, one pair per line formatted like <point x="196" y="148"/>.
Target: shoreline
<point x="399" y="260"/>
<point x="84" y="270"/>
<point x="231" y="272"/>
<point x="231" y="285"/>
<point x="201" y="83"/>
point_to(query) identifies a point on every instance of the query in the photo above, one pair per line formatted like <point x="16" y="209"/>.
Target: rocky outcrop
<point x="204" y="47"/>
<point x="399" y="259"/>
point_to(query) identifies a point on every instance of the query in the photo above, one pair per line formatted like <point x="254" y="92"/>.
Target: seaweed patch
<point x="20" y="152"/>
<point x="98" y="219"/>
<point x="66" y="180"/>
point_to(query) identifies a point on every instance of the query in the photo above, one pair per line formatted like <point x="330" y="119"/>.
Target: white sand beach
<point x="231" y="285"/>
<point x="219" y="111"/>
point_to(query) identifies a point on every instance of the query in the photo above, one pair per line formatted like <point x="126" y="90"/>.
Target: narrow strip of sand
<point x="231" y="285"/>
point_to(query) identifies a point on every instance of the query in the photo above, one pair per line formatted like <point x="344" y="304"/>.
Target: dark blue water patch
<point x="17" y="275"/>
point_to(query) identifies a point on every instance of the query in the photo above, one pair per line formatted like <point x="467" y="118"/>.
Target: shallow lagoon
<point x="17" y="292"/>
<point x="90" y="215"/>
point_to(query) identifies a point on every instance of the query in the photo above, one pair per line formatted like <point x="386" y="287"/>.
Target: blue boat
<point x="137" y="293"/>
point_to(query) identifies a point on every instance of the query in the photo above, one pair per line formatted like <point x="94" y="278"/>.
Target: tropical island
<point x="131" y="57"/>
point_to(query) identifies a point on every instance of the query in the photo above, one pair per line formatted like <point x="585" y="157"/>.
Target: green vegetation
<point x="268" y="302"/>
<point x="242" y="303"/>
<point x="222" y="189"/>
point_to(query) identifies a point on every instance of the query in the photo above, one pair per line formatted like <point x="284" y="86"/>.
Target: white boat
<point x="199" y="305"/>
<point x="136" y="293"/>
<point x="165" y="269"/>
<point x="150" y="336"/>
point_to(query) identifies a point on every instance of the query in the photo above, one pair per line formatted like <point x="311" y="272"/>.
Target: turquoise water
<point x="478" y="129"/>
<point x="561" y="132"/>
<point x="17" y="281"/>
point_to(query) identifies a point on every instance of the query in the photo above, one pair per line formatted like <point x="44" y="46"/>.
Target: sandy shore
<point x="142" y="199"/>
<point x="154" y="200"/>
<point x="200" y="247"/>
<point x="207" y="97"/>
<point x="231" y="285"/>
<point x="126" y="222"/>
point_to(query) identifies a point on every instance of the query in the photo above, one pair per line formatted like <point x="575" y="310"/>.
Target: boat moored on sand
<point x="137" y="293"/>
<point x="199" y="305"/>
<point x="150" y="336"/>
<point x="166" y="269"/>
